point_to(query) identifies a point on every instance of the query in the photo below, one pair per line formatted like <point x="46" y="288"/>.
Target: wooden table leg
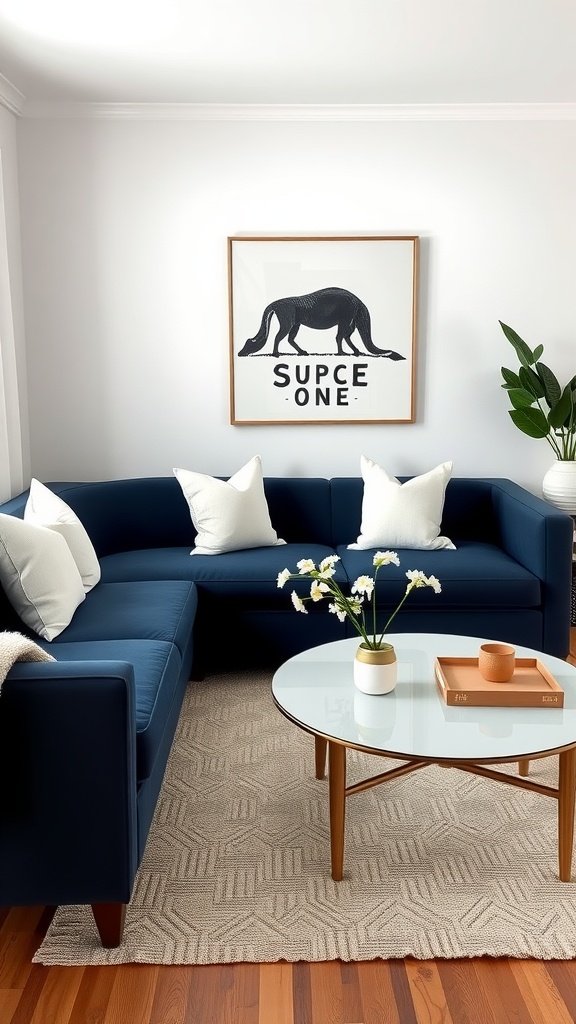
<point x="337" y="787"/>
<point x="566" y="795"/>
<point x="320" y="744"/>
<point x="523" y="767"/>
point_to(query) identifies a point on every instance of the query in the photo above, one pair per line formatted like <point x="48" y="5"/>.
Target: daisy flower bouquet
<point x="360" y="606"/>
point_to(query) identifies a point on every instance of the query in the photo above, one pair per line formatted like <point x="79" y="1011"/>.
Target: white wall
<point x="125" y="270"/>
<point x="14" y="418"/>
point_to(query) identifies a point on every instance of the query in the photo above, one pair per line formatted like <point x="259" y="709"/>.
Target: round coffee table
<point x="315" y="690"/>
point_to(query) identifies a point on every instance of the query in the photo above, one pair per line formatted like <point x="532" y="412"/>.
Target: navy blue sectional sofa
<point x="84" y="740"/>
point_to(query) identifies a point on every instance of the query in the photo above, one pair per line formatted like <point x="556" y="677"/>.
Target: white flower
<point x="419" y="579"/>
<point x="356" y="605"/>
<point x="433" y="582"/>
<point x="305" y="565"/>
<point x="329" y="560"/>
<point x="298" y="603"/>
<point x="283" y="577"/>
<point x="327" y="566"/>
<point x="416" y="577"/>
<point x="337" y="611"/>
<point x="317" y="590"/>
<point x="385" y="558"/>
<point x="363" y="585"/>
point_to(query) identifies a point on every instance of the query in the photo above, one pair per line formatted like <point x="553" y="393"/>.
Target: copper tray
<point x="531" y="686"/>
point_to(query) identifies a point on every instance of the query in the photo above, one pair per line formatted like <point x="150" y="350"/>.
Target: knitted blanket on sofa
<point x="17" y="647"/>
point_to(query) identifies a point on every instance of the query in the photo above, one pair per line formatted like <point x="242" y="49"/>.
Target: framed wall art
<point x="322" y="330"/>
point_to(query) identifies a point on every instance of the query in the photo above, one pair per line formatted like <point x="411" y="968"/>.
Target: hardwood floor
<point x="476" y="991"/>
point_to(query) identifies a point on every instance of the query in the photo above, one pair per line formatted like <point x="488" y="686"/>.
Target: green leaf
<point x="552" y="389"/>
<point x="538" y="352"/>
<point x="530" y="381"/>
<point x="530" y="421"/>
<point x="520" y="398"/>
<point x="560" y="412"/>
<point x="523" y="351"/>
<point x="512" y="379"/>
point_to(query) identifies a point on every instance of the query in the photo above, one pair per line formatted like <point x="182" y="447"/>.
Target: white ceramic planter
<point x="375" y="672"/>
<point x="559" y="485"/>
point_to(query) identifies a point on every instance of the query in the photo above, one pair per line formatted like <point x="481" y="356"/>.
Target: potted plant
<point x="375" y="660"/>
<point x="542" y="408"/>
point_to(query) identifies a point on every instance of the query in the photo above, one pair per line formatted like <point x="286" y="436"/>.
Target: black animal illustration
<point x="328" y="307"/>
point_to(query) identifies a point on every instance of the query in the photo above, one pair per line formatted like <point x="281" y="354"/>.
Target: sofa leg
<point x="109" y="918"/>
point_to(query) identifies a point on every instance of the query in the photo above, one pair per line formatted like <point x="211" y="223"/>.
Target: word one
<point x="319" y="384"/>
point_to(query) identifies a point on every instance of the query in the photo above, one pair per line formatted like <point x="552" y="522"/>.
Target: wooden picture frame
<point x="322" y="329"/>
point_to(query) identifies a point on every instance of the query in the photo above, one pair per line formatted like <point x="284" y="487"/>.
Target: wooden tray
<point x="531" y="686"/>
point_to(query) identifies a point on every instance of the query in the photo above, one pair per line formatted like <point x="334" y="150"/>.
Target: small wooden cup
<point x="496" y="662"/>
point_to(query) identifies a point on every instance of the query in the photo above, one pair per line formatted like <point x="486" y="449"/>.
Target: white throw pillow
<point x="44" y="508"/>
<point x="407" y="515"/>
<point x="228" y="515"/>
<point x="39" y="576"/>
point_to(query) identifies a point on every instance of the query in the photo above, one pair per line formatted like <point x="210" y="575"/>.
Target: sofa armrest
<point x="539" y="537"/>
<point x="68" y="818"/>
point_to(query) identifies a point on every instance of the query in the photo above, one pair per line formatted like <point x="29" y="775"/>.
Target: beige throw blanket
<point x="17" y="647"/>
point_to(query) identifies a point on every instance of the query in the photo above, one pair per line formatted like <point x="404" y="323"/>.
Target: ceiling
<point x="290" y="52"/>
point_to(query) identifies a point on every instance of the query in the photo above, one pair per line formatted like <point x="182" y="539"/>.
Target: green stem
<point x="359" y="624"/>
<point x="570" y="440"/>
<point x="395" y="613"/>
<point x="374" y="605"/>
<point x="553" y="444"/>
<point x="340" y="598"/>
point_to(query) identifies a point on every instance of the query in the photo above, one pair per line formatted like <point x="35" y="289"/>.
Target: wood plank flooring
<point x="476" y="991"/>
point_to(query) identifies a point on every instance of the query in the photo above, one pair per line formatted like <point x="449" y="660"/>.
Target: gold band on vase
<point x="383" y="656"/>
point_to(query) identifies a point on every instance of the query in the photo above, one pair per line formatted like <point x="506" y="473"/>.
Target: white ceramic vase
<point x="559" y="485"/>
<point x="375" y="672"/>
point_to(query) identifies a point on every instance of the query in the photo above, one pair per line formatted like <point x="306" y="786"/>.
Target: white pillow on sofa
<point x="44" y="508"/>
<point x="39" y="576"/>
<point x="228" y="515"/>
<point x="407" y="515"/>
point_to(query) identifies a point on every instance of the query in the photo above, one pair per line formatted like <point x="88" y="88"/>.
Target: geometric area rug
<point x="439" y="864"/>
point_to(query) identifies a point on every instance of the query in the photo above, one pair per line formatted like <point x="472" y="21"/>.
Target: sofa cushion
<point x="44" y="508"/>
<point x="250" y="574"/>
<point x="253" y="575"/>
<point x="143" y="610"/>
<point x="475" y="575"/>
<point x="39" y="576"/>
<point x="228" y="515"/>
<point x="157" y="665"/>
<point x="406" y="515"/>
<point x="149" y="564"/>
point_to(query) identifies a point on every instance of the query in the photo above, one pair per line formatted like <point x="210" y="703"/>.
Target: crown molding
<point x="298" y="112"/>
<point x="11" y="97"/>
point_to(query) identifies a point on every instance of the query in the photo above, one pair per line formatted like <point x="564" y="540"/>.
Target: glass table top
<point x="316" y="690"/>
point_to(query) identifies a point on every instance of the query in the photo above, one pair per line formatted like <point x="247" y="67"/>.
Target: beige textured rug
<point x="237" y="866"/>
